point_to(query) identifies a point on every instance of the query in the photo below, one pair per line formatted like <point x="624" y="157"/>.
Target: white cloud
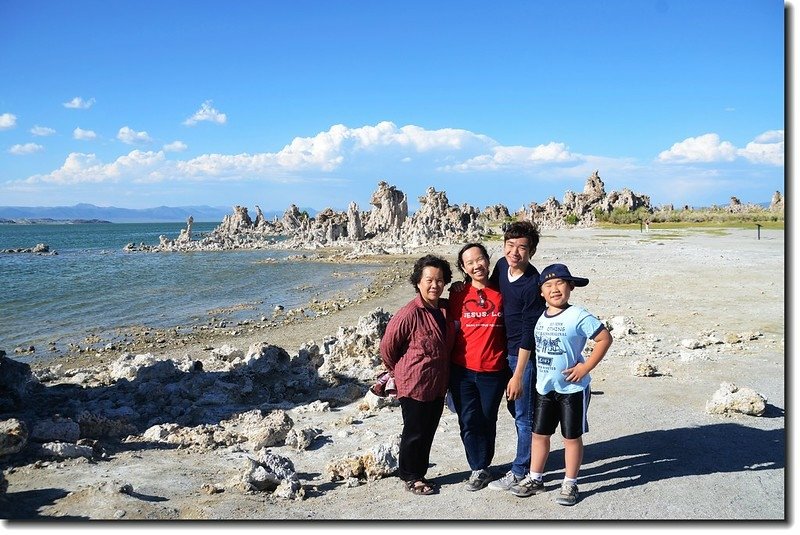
<point x="8" y="120"/>
<point x="326" y="152"/>
<point x="705" y="148"/>
<point x="78" y="103"/>
<point x="767" y="148"/>
<point x="516" y="157"/>
<point x="42" y="131"/>
<point x="80" y="133"/>
<point x="81" y="168"/>
<point x="27" y="148"/>
<point x="771" y="136"/>
<point x="132" y="137"/>
<point x="206" y="113"/>
<point x="175" y="146"/>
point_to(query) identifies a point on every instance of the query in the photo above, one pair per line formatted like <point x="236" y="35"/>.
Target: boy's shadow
<point x="651" y="456"/>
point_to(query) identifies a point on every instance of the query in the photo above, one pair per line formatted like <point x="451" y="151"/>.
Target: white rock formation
<point x="730" y="399"/>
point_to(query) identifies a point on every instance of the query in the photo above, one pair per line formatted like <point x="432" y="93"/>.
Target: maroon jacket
<point x="414" y="349"/>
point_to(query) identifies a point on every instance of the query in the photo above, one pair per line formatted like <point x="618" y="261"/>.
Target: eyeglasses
<point x="481" y="299"/>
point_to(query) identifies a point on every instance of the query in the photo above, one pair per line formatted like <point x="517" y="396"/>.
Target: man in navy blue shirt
<point x="523" y="303"/>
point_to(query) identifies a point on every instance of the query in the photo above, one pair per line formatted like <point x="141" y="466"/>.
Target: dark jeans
<point x="420" y="420"/>
<point x="477" y="397"/>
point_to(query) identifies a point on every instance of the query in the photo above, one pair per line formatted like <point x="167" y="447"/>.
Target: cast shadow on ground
<point x="650" y="456"/>
<point x="25" y="505"/>
<point x="643" y="458"/>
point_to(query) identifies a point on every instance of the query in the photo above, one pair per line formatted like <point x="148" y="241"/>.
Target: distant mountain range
<point x="160" y="214"/>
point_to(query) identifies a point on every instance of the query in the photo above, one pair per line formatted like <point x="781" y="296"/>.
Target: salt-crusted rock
<point x="583" y="206"/>
<point x="389" y="211"/>
<point x="621" y="326"/>
<point x="643" y="368"/>
<point x="342" y="394"/>
<point x="382" y="460"/>
<point x="379" y="462"/>
<point x="346" y="467"/>
<point x="355" y="227"/>
<point x="64" y="450"/>
<point x="266" y="358"/>
<point x="261" y="431"/>
<point x="356" y="352"/>
<point x="100" y="426"/>
<point x="375" y="402"/>
<point x="13" y="436"/>
<point x="252" y="428"/>
<point x="274" y="473"/>
<point x="497" y="212"/>
<point x="55" y="429"/>
<point x="227" y="352"/>
<point x="691" y="343"/>
<point x="16" y="381"/>
<point x="159" y="433"/>
<point x="777" y="204"/>
<point x="314" y="406"/>
<point x="301" y="439"/>
<point x="309" y="355"/>
<point x="731" y="399"/>
<point x="128" y="365"/>
<point x="438" y="222"/>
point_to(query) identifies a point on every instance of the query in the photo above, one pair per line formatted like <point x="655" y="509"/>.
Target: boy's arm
<point x="602" y="341"/>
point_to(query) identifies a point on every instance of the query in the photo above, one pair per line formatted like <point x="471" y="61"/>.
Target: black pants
<point x="420" y="420"/>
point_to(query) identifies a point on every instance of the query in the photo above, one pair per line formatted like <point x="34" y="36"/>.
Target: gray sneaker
<point x="568" y="494"/>
<point x="505" y="482"/>
<point x="527" y="487"/>
<point x="478" y="479"/>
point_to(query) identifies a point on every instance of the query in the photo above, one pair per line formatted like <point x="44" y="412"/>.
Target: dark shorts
<point x="569" y="410"/>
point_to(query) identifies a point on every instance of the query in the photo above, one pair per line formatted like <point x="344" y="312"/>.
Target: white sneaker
<point x="505" y="482"/>
<point x="568" y="494"/>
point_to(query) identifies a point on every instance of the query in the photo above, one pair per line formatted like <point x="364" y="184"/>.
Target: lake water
<point x="93" y="287"/>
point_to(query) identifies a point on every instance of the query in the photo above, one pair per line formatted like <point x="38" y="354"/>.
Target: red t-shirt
<point x="480" y="335"/>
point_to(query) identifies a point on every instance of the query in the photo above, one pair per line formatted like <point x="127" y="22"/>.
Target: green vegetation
<point x="571" y="219"/>
<point x="714" y="217"/>
<point x="708" y="225"/>
<point x="622" y="216"/>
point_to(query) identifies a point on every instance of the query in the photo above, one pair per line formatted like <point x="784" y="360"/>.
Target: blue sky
<point x="165" y="102"/>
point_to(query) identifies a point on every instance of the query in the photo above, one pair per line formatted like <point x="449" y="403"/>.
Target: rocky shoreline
<point x="278" y="423"/>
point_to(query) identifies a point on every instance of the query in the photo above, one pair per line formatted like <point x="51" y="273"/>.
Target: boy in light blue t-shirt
<point x="562" y="380"/>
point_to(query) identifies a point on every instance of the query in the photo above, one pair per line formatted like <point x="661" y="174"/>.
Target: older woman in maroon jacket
<point x="416" y="349"/>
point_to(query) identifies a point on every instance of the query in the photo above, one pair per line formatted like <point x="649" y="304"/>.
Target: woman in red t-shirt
<point x="479" y="369"/>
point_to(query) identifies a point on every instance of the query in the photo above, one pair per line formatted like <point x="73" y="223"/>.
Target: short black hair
<point x="523" y="229"/>
<point x="430" y="260"/>
<point x="460" y="261"/>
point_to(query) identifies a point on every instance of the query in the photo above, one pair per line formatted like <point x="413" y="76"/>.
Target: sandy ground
<point x="652" y="453"/>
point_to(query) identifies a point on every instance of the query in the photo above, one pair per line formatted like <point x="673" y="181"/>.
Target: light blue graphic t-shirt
<point x="560" y="340"/>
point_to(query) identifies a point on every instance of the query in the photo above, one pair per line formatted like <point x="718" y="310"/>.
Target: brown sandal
<point x="419" y="487"/>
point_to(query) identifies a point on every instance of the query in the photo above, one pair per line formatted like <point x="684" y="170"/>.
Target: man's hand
<point x="514" y="389"/>
<point x="457" y="287"/>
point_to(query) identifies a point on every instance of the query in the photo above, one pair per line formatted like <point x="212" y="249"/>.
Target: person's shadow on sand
<point x="642" y="458"/>
<point x="649" y="456"/>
